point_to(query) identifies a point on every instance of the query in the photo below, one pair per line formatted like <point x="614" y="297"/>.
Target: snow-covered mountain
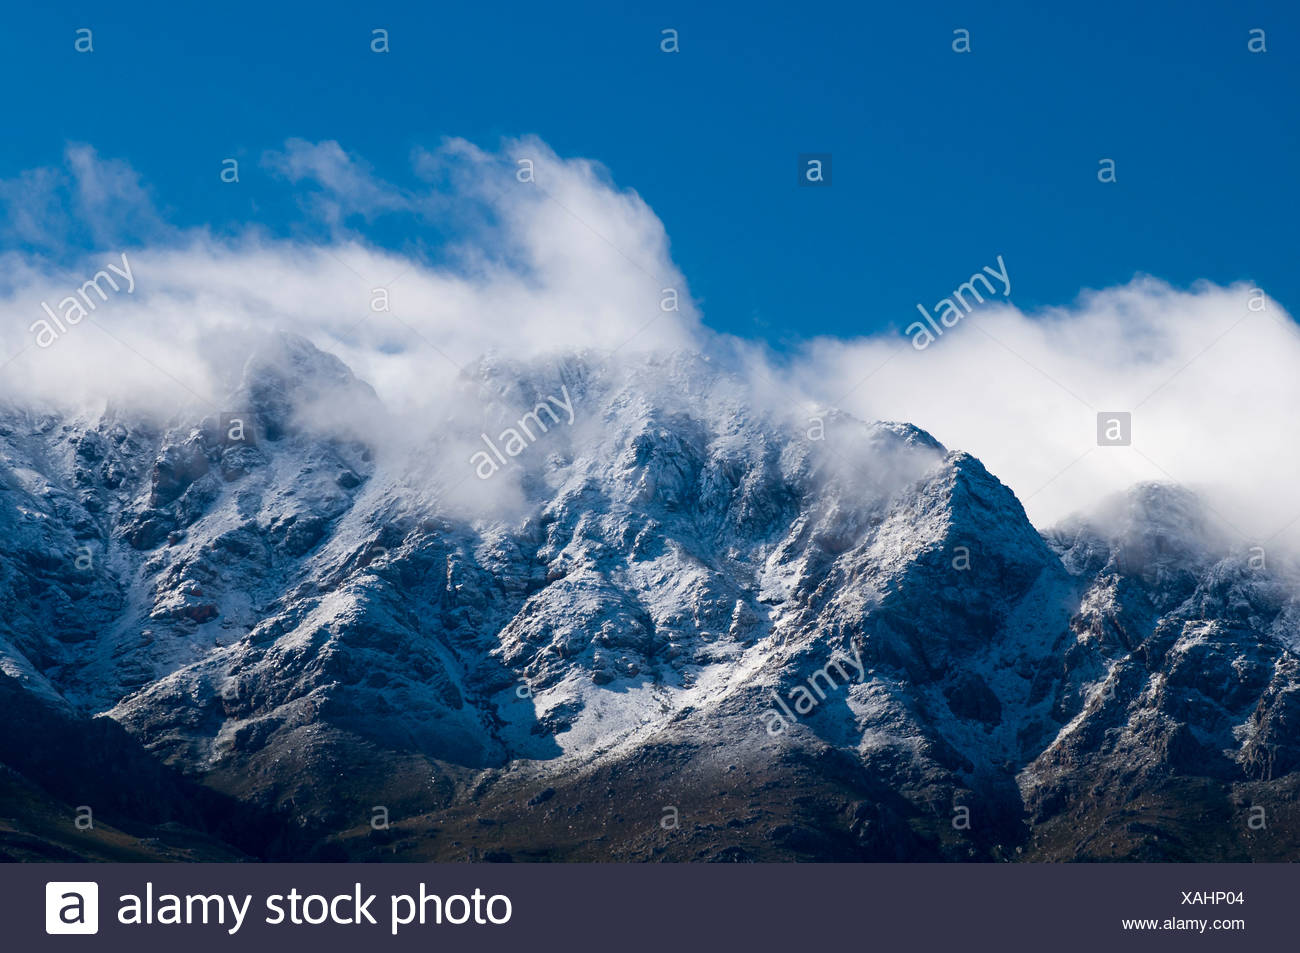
<point x="668" y="622"/>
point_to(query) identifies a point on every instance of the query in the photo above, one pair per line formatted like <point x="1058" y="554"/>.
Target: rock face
<point x="676" y="626"/>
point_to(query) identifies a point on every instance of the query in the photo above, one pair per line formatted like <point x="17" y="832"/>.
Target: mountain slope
<point x="675" y="623"/>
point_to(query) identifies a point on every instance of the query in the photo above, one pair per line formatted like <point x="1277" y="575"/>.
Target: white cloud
<point x="100" y="199"/>
<point x="1210" y="384"/>
<point x="527" y="278"/>
<point x="33" y="208"/>
<point x="569" y="260"/>
<point x="344" y="184"/>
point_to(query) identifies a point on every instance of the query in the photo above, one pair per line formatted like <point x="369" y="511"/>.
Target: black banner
<point x="653" y="907"/>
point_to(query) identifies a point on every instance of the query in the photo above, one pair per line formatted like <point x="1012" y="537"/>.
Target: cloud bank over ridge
<point x="539" y="255"/>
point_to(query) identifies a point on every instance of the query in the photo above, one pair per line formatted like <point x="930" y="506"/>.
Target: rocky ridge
<point x="681" y="626"/>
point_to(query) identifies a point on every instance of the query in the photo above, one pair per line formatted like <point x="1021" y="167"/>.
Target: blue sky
<point x="941" y="161"/>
